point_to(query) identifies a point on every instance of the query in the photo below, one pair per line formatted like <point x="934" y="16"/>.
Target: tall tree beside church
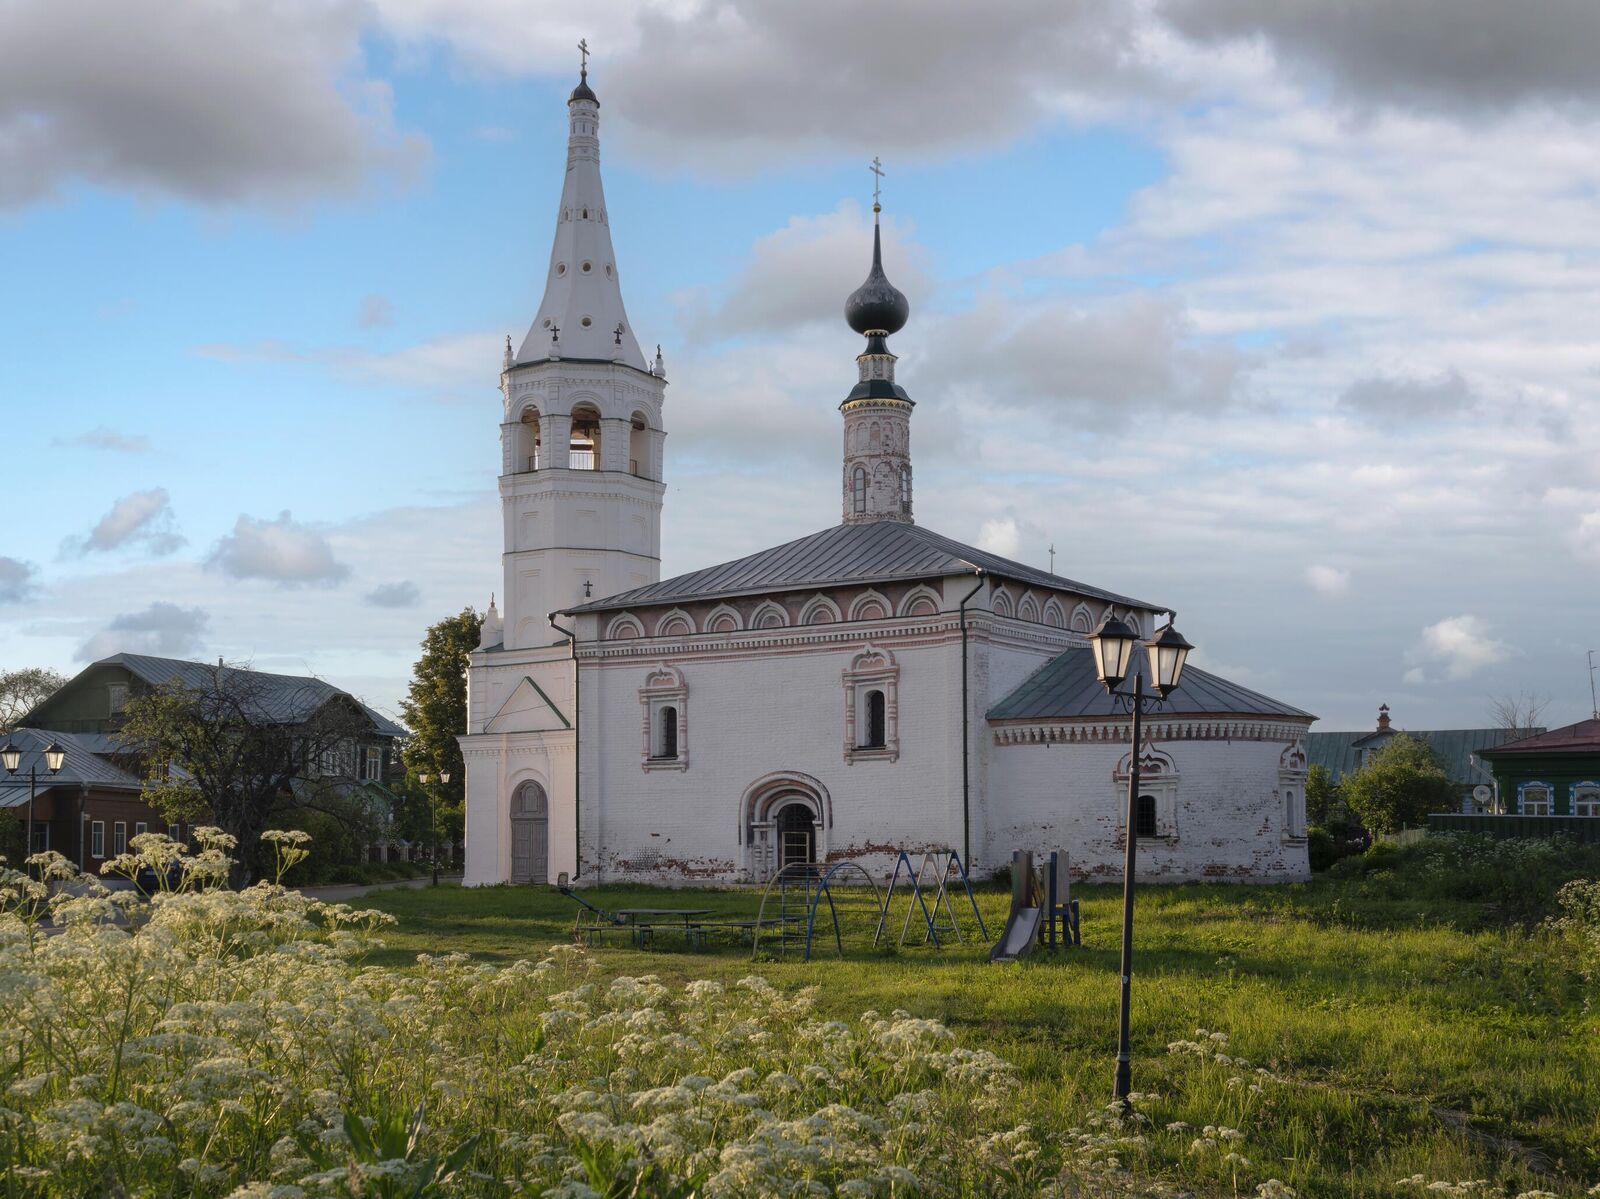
<point x="435" y="710"/>
<point x="23" y="690"/>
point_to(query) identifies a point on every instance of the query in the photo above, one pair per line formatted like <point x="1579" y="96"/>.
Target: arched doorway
<point x="530" y="834"/>
<point x="785" y="817"/>
<point x="797" y="834"/>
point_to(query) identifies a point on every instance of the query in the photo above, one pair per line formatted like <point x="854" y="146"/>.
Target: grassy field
<point x="1408" y="1029"/>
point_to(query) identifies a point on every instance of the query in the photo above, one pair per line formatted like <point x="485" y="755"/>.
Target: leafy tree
<point x="1399" y="786"/>
<point x="1323" y="799"/>
<point x="13" y="838"/>
<point x="224" y="750"/>
<point x="435" y="710"/>
<point x="23" y="690"/>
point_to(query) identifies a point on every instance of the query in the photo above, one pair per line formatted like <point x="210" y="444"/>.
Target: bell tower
<point x="877" y="412"/>
<point x="581" y="432"/>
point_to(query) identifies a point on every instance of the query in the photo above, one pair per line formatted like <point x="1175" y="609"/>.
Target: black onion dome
<point x="877" y="305"/>
<point x="583" y="91"/>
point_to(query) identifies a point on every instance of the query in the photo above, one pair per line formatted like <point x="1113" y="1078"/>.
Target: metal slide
<point x="1022" y="924"/>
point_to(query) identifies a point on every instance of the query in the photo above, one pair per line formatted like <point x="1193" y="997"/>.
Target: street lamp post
<point x="11" y="759"/>
<point x="1113" y="645"/>
<point x="433" y="818"/>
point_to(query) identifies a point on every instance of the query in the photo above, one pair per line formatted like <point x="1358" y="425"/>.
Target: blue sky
<point x="1202" y="295"/>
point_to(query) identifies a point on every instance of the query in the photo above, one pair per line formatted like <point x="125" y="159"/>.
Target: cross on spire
<point x="877" y="184"/>
<point x="583" y="47"/>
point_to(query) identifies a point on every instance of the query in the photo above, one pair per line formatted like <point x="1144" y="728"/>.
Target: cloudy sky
<point x="1280" y="312"/>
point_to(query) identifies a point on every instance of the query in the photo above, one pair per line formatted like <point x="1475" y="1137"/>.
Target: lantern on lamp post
<point x="11" y="758"/>
<point x="1167" y="652"/>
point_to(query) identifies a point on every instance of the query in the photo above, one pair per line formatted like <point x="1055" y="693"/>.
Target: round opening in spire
<point x="877" y="306"/>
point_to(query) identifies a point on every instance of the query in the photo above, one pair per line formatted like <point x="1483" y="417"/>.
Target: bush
<point x="1515" y="880"/>
<point x="1399" y="787"/>
<point x="1320" y="848"/>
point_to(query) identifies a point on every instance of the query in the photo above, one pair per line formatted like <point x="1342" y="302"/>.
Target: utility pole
<point x="1594" y="704"/>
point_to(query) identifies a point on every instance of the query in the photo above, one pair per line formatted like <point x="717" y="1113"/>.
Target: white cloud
<point x="142" y="518"/>
<point x="279" y="550"/>
<point x="221" y="102"/>
<point x="1330" y="581"/>
<point x="1000" y="537"/>
<point x="16" y="580"/>
<point x="1458" y="645"/>
<point x="1449" y="54"/>
<point x="1396" y="398"/>
<point x="404" y="594"/>
<point x="741" y="84"/>
<point x="108" y="439"/>
<point x="1103" y="360"/>
<point x="162" y="628"/>
<point x="1586" y="537"/>
<point x="801" y="274"/>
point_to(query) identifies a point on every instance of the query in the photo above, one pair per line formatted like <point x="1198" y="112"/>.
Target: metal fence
<point x="1578" y="828"/>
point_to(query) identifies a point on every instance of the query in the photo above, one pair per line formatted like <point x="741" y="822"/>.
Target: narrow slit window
<point x="877" y="723"/>
<point x="1147" y="816"/>
<point x="858" y="487"/>
<point x="667" y="736"/>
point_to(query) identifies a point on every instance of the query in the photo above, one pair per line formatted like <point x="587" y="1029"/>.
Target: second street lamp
<point x="1113" y="645"/>
<point x="11" y="759"/>
<point x="433" y="818"/>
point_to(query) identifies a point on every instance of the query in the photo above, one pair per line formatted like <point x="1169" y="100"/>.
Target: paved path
<point x="340" y="894"/>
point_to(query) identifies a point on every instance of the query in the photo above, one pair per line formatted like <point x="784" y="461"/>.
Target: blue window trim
<point x="1572" y="794"/>
<point x="1521" y="787"/>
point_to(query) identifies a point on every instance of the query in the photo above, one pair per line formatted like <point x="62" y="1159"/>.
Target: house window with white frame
<point x="372" y="763"/>
<point x="97" y="839"/>
<point x="1586" y="799"/>
<point x="41" y="836"/>
<point x="119" y="837"/>
<point x="872" y="707"/>
<point x="1533" y="799"/>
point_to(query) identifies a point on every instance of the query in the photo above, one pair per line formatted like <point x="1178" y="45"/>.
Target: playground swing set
<point x="853" y="908"/>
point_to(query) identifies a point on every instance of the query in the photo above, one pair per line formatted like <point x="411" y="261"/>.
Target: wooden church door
<point x="530" y="834"/>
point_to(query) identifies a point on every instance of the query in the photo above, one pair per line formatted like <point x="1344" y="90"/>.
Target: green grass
<point x="1417" y="1034"/>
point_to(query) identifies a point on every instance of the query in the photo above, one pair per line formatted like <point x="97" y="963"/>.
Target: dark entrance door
<point x="797" y="835"/>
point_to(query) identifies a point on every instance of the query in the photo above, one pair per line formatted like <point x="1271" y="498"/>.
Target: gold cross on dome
<point x="583" y="46"/>
<point x="877" y="169"/>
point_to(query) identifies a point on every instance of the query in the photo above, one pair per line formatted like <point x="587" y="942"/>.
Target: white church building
<point x="870" y="687"/>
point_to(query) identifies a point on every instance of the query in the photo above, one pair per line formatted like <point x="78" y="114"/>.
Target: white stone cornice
<point x="1117" y="730"/>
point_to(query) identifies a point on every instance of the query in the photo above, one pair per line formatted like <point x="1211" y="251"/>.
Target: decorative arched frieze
<point x="1053" y="615"/>
<point x="676" y="623"/>
<point x="1293" y="759"/>
<point x="665" y="700"/>
<point x="820" y="610"/>
<point x="724" y="619"/>
<point x="1082" y="620"/>
<point x="769" y="616"/>
<point x="1001" y="604"/>
<point x="869" y="605"/>
<point x="1028" y="609"/>
<point x="872" y="706"/>
<point x="624" y="626"/>
<point x="921" y="600"/>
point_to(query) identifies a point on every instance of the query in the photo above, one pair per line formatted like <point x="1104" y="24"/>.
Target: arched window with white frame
<point x="871" y="707"/>
<point x="665" y="698"/>
<point x="858" y="489"/>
